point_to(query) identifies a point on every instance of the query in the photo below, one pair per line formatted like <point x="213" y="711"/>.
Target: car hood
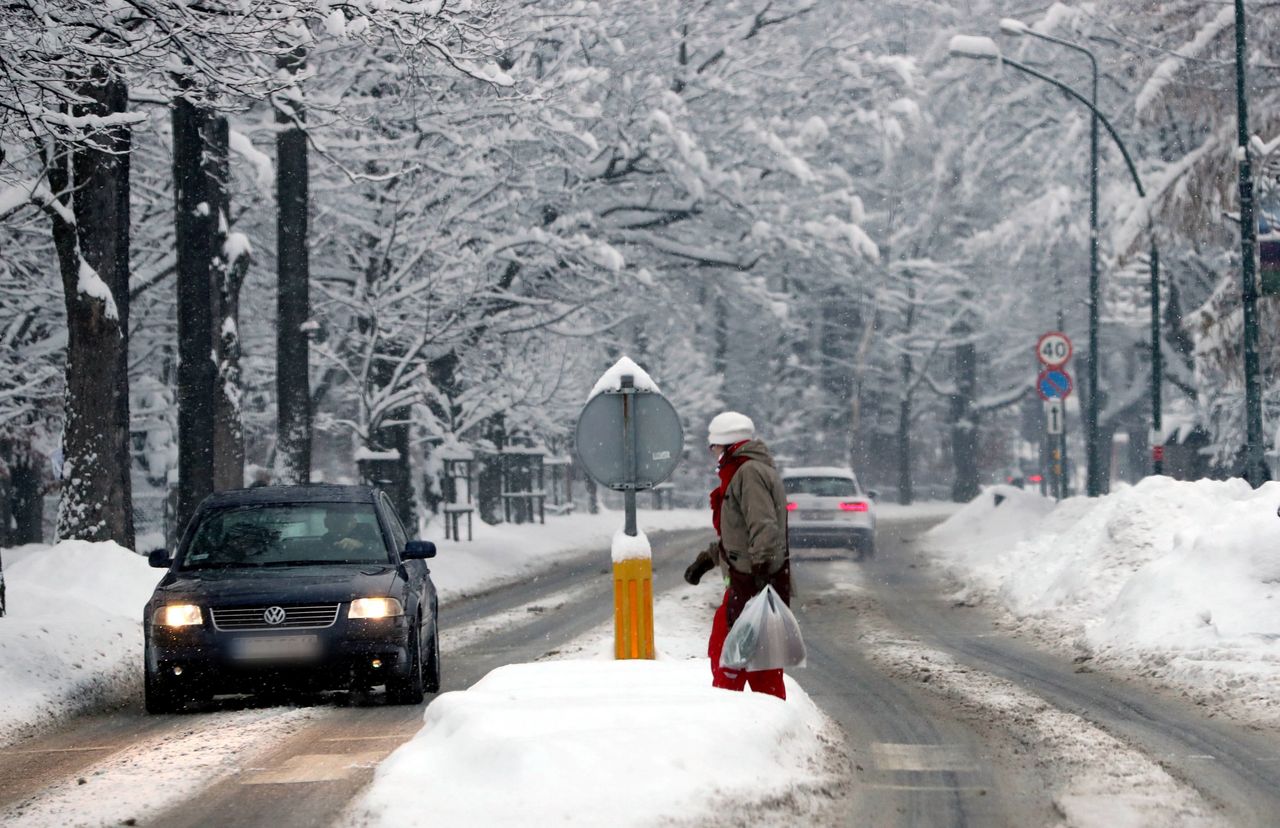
<point x="283" y="585"/>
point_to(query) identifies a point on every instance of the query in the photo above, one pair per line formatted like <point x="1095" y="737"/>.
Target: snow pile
<point x="1179" y="580"/>
<point x="73" y="633"/>
<point x="508" y="552"/>
<point x="981" y="532"/>
<point x="628" y="547"/>
<point x="594" y="743"/>
<point x="973" y="46"/>
<point x="611" y="380"/>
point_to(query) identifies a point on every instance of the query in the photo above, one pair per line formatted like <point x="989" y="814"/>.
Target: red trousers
<point x="761" y="681"/>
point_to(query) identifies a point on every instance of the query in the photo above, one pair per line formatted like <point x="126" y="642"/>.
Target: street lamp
<point x="982" y="47"/>
<point x="1255" y="468"/>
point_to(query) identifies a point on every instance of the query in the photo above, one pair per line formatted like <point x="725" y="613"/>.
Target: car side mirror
<point x="873" y="494"/>
<point x="418" y="550"/>
<point x="159" y="558"/>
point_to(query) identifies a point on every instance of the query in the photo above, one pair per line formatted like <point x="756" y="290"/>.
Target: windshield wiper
<point x="222" y="565"/>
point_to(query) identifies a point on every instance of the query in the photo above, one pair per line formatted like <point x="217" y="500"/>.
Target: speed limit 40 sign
<point x="1053" y="349"/>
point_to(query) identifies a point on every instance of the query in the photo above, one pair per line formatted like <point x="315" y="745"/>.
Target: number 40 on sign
<point x="1053" y="349"/>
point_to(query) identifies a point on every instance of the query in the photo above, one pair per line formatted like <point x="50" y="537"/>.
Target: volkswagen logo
<point x="273" y="615"/>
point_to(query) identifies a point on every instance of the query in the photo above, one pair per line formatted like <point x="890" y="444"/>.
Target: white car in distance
<point x="826" y="508"/>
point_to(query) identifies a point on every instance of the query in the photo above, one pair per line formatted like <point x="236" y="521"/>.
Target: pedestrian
<point x="749" y="512"/>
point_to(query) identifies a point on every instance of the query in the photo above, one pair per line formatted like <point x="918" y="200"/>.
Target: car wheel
<point x="408" y="690"/>
<point x="866" y="548"/>
<point x="431" y="678"/>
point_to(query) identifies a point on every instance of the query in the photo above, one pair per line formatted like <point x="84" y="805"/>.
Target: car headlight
<point x="177" y="615"/>
<point x="375" y="608"/>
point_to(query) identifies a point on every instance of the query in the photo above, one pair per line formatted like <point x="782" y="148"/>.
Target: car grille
<point x="310" y="617"/>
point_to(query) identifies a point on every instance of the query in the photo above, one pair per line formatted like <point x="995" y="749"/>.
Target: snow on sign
<point x="1053" y="349"/>
<point x="601" y="435"/>
<point x="1053" y="384"/>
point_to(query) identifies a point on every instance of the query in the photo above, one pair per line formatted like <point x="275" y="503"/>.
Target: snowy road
<point x="951" y="722"/>
<point x="947" y="721"/>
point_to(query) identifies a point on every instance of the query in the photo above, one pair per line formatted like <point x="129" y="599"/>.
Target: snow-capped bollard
<point x="632" y="596"/>
<point x="629" y="438"/>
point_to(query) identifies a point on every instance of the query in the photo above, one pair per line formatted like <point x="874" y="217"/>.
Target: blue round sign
<point x="1053" y="384"/>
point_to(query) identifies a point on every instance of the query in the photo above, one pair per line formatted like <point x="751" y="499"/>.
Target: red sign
<point x="1054" y="349"/>
<point x="1157" y="454"/>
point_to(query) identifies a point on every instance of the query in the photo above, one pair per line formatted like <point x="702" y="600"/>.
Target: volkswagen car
<point x="292" y="586"/>
<point x="826" y="508"/>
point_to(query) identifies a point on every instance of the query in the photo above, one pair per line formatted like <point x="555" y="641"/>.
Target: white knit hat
<point x="729" y="428"/>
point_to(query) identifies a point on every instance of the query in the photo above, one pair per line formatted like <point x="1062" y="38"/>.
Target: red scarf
<point x="728" y="467"/>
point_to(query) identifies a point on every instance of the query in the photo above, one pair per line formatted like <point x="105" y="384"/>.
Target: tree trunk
<point x="964" y="422"/>
<point x="6" y="503"/>
<point x="93" y="259"/>
<point x="392" y="434"/>
<point x="227" y="277"/>
<point x="293" y="388"/>
<point x="27" y="500"/>
<point x="906" y="494"/>
<point x="194" y="224"/>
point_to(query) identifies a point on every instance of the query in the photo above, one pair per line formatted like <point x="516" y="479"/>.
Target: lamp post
<point x="985" y="48"/>
<point x="1255" y="469"/>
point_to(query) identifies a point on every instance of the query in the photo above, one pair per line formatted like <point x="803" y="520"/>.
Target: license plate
<point x="276" y="647"/>
<point x="816" y="516"/>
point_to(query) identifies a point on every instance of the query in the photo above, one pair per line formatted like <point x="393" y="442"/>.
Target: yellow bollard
<point x="633" y="608"/>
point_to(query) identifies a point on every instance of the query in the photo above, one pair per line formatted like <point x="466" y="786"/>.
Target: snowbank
<point x="73" y="633"/>
<point x="1177" y="580"/>
<point x="508" y="552"/>
<point x="594" y="743"/>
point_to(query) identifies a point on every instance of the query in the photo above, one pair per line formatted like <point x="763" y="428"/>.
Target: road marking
<point x="900" y="757"/>
<point x="64" y="750"/>
<point x="316" y="767"/>
<point x="938" y="788"/>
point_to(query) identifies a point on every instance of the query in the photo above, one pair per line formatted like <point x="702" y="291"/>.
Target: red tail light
<point x="1035" y="478"/>
<point x="791" y="506"/>
<point x="856" y="506"/>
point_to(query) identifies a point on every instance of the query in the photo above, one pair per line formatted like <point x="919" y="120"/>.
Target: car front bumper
<point x="210" y="661"/>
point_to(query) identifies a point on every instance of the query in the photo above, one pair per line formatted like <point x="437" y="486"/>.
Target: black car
<point x="283" y="586"/>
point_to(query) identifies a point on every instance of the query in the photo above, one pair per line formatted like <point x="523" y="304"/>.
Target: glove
<point x="701" y="566"/>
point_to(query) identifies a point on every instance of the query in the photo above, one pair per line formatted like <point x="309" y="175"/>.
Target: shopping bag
<point x="765" y="636"/>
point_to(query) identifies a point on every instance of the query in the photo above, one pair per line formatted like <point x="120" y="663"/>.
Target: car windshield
<point x="821" y="486"/>
<point x="287" y="535"/>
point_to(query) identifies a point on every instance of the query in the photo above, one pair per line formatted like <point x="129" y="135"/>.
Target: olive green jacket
<point x="753" y="519"/>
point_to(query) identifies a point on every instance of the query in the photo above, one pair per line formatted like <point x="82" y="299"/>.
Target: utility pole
<point x="1255" y="468"/>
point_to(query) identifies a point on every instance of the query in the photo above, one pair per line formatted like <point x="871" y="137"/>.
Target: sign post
<point x="1054" y="385"/>
<point x="629" y="438"/>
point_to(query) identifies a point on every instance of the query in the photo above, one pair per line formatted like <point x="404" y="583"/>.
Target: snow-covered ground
<point x="73" y="637"/>
<point x="1176" y="581"/>
<point x="583" y="739"/>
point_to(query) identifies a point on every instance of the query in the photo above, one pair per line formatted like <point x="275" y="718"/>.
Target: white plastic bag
<point x="765" y="636"/>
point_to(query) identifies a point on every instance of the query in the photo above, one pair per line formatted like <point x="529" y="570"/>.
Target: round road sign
<point x="1053" y="349"/>
<point x="1053" y="384"/>
<point x="601" y="439"/>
